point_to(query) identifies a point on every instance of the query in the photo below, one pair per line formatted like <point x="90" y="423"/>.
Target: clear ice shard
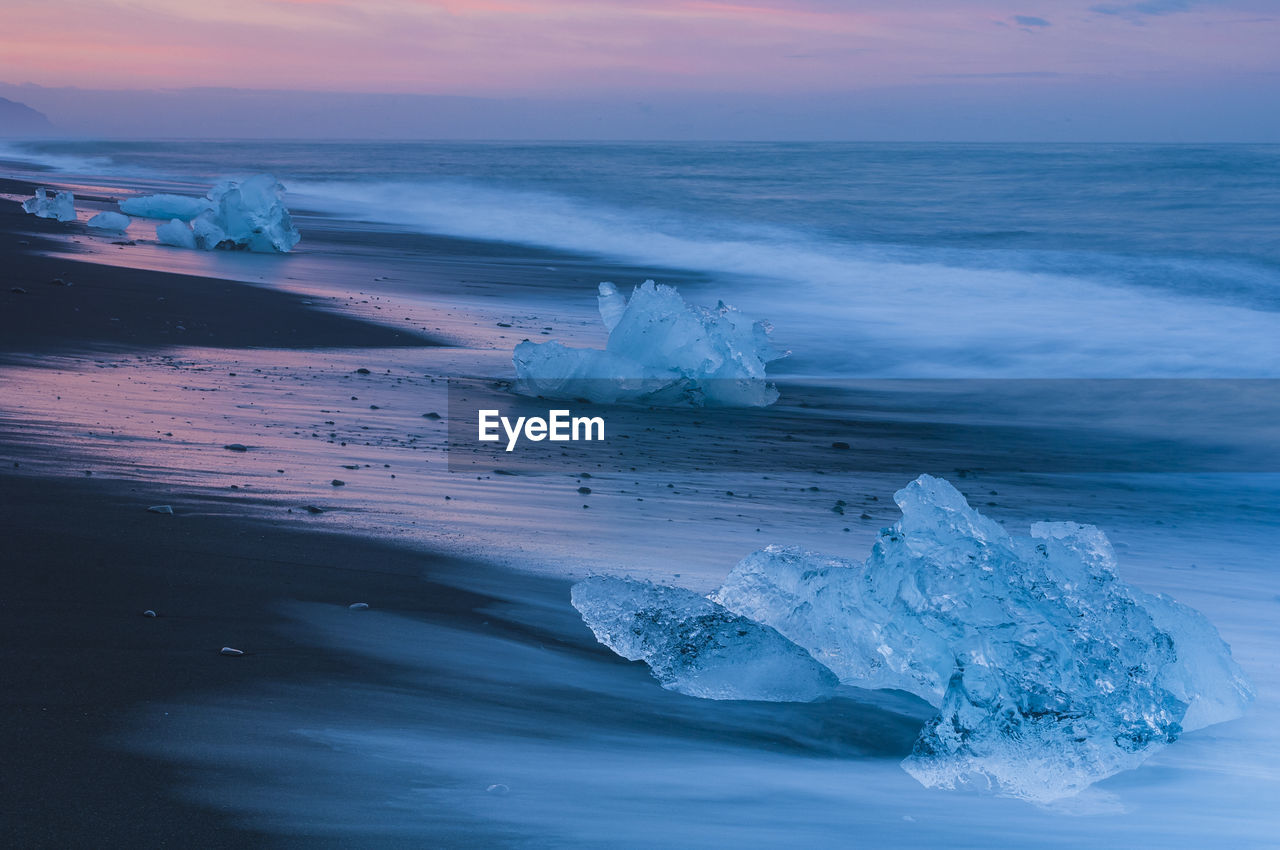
<point x="247" y="215"/>
<point x="1048" y="671"/>
<point x="696" y="647"/>
<point x="660" y="350"/>
<point x="61" y="206"/>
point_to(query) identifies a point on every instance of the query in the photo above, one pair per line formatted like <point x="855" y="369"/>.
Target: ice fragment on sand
<point x="62" y="206"/>
<point x="696" y="647"/>
<point x="149" y="613"/>
<point x="226" y="650"/>
<point x="358" y="606"/>
<point x="160" y="509"/>
<point x="1050" y="673"/>
<point x="112" y="221"/>
<point x="661" y="350"/>
<point x="165" y="206"/>
<point x="246" y="215"/>
<point x="177" y="234"/>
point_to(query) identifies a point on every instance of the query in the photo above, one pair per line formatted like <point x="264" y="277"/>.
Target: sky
<point x="1033" y="69"/>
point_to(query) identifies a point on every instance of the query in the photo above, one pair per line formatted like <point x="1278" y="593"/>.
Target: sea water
<point x="935" y="260"/>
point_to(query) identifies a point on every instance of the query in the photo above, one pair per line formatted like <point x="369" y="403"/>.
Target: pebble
<point x="338" y="482"/>
<point x="358" y="606"/>
<point x="236" y="447"/>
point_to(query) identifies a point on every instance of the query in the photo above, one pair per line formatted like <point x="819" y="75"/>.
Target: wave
<point x="856" y="308"/>
<point x="68" y="163"/>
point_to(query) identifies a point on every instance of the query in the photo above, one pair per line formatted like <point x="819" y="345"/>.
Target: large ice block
<point x="1049" y="672"/>
<point x="246" y="215"/>
<point x="696" y="647"/>
<point x="660" y="350"/>
<point x="61" y="206"/>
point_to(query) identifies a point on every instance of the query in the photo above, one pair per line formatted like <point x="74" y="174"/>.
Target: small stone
<point x="338" y="482"/>
<point x="18" y="290"/>
<point x="313" y="509"/>
<point x="236" y="447"/>
<point x="363" y="371"/>
<point x="584" y="490"/>
<point x="226" y="650"/>
<point x="160" y="509"/>
<point x="432" y="415"/>
<point x="841" y="445"/>
<point x="57" y="281"/>
<point x="358" y="606"/>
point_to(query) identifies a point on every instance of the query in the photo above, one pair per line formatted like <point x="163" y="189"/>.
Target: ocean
<point x="871" y="260"/>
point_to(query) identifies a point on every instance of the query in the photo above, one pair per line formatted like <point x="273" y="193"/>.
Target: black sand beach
<point x="469" y="705"/>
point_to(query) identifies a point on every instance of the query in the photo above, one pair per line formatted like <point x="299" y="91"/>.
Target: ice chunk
<point x="244" y="215"/>
<point x="176" y="233"/>
<point x="62" y="206"/>
<point x="1049" y="672"/>
<point x="695" y="646"/>
<point x="250" y="213"/>
<point x="112" y="221"/>
<point x="165" y="206"/>
<point x="660" y="350"/>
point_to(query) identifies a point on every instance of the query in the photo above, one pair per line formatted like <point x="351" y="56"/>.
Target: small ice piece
<point x="112" y="221"/>
<point x="696" y="647"/>
<point x="62" y="206"/>
<point x="176" y="233"/>
<point x="180" y="207"/>
<point x="149" y="613"/>
<point x="160" y="509"/>
<point x="1049" y="672"/>
<point x="226" y="650"/>
<point x="660" y="350"/>
<point x="498" y="789"/>
<point x="358" y="606"/>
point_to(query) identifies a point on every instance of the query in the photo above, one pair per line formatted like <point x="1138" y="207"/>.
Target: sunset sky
<point x="1060" y="51"/>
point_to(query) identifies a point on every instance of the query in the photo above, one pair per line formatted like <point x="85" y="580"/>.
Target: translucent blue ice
<point x="696" y="647"/>
<point x="61" y="206"/>
<point x="660" y="350"/>
<point x="112" y="221"/>
<point x="247" y="215"/>
<point x="166" y="207"/>
<point x="1049" y="672"/>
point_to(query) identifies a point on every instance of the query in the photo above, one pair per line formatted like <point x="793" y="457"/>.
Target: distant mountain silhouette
<point x="18" y="119"/>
